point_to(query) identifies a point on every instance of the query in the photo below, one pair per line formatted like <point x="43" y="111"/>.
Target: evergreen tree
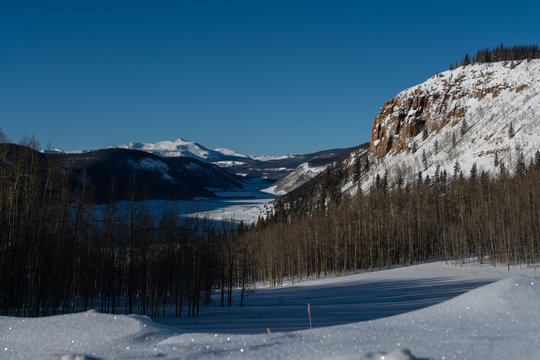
<point x="464" y="127"/>
<point x="511" y="132"/>
<point x="466" y="60"/>
<point x="357" y="170"/>
<point x="474" y="172"/>
<point x="521" y="167"/>
<point x="501" y="53"/>
<point x="457" y="169"/>
<point x="424" y="159"/>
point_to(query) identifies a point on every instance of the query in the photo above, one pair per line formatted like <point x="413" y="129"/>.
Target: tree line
<point x="500" y="53"/>
<point x="445" y="217"/>
<point x="59" y="255"/>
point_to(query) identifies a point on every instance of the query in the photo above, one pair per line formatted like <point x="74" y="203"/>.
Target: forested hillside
<point x="453" y="172"/>
<point x="56" y="257"/>
<point x="447" y="217"/>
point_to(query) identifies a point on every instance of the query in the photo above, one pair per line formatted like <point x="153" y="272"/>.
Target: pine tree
<point x="425" y="133"/>
<point x="457" y="169"/>
<point x="474" y="172"/>
<point x="521" y="167"/>
<point x="466" y="60"/>
<point x="357" y="170"/>
<point x="496" y="160"/>
<point x="511" y="132"/>
<point x="424" y="159"/>
<point x="464" y="127"/>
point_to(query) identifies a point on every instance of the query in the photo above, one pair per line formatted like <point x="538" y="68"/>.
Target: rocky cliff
<point x="482" y="115"/>
<point x="447" y="99"/>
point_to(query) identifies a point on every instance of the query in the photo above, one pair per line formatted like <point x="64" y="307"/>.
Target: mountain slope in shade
<point x="483" y="114"/>
<point x="307" y="171"/>
<point x="271" y="167"/>
<point x="148" y="176"/>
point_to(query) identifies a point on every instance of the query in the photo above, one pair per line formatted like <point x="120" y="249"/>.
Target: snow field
<point x="496" y="321"/>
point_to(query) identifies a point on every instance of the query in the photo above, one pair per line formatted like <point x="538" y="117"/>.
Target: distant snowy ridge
<point x="229" y="152"/>
<point x="177" y="148"/>
<point x="303" y="167"/>
<point x="483" y="114"/>
<point x="184" y="148"/>
<point x="301" y="175"/>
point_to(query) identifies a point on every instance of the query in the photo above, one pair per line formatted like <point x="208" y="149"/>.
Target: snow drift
<point x="497" y="321"/>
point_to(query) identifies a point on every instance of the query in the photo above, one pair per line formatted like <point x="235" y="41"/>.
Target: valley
<point x="422" y="244"/>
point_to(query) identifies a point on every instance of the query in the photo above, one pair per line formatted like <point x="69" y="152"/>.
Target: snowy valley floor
<point x="228" y="208"/>
<point x="428" y="311"/>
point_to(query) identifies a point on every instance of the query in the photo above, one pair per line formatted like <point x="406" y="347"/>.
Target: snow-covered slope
<point x="467" y="115"/>
<point x="172" y="178"/>
<point x="308" y="170"/>
<point x="302" y="174"/>
<point x="497" y="321"/>
<point x="271" y="167"/>
<point x="183" y="148"/>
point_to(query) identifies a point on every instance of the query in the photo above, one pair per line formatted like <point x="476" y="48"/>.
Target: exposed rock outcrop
<point x="443" y="100"/>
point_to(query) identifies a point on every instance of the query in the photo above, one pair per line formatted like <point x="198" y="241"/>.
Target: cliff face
<point x="485" y="116"/>
<point x="445" y="99"/>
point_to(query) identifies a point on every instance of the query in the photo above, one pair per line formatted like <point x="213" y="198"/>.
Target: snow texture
<point x="491" y="96"/>
<point x="179" y="147"/>
<point x="500" y="320"/>
<point x="301" y="175"/>
<point x="184" y="148"/>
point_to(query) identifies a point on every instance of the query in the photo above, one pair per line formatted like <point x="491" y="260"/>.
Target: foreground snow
<point x="496" y="321"/>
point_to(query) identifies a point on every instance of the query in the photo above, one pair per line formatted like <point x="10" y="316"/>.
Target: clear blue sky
<point x="259" y="77"/>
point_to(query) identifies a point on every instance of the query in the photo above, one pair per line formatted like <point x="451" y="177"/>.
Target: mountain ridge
<point x="484" y="116"/>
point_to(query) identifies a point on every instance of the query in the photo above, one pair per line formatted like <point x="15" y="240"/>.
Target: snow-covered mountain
<point x="483" y="114"/>
<point x="271" y="167"/>
<point x="301" y="175"/>
<point x="183" y="148"/>
<point x="307" y="171"/>
<point x="151" y="176"/>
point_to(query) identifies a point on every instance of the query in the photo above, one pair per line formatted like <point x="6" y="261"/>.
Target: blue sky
<point x="259" y="77"/>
